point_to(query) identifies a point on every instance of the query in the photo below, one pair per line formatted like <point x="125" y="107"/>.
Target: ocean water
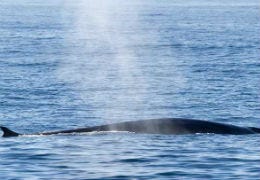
<point x="68" y="64"/>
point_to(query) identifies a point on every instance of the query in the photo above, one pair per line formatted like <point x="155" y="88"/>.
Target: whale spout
<point x="8" y="133"/>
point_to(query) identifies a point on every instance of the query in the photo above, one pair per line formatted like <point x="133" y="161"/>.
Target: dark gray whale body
<point x="156" y="126"/>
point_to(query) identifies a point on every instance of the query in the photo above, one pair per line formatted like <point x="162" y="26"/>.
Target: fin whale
<point x="156" y="126"/>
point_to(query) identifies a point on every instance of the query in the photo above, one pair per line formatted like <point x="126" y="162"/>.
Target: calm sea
<point x="67" y="64"/>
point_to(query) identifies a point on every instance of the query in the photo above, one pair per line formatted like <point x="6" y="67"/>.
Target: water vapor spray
<point x="102" y="65"/>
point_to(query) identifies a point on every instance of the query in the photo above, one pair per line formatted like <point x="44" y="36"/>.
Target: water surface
<point x="72" y="64"/>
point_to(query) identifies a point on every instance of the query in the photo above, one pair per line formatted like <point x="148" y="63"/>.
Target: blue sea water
<point x="67" y="64"/>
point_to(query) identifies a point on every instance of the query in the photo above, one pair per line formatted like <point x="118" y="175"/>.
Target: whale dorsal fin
<point x="8" y="133"/>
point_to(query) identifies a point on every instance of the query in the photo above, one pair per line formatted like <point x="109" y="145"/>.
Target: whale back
<point x="157" y="126"/>
<point x="176" y="126"/>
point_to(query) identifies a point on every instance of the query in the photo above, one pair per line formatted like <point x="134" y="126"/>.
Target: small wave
<point x="136" y="160"/>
